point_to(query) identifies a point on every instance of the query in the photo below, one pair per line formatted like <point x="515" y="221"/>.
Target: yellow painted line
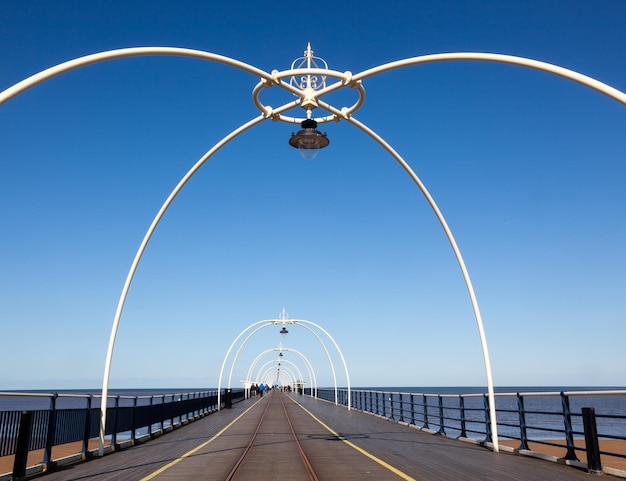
<point x="197" y="448"/>
<point x="354" y="446"/>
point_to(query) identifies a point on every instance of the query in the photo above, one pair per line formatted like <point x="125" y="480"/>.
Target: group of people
<point x="259" y="389"/>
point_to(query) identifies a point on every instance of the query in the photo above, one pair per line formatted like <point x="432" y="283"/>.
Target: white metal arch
<point x="232" y="366"/>
<point x="265" y="378"/>
<point x="296" y="368"/>
<point x="269" y="323"/>
<point x="279" y="364"/>
<point x="346" y="79"/>
<point x="302" y="323"/>
<point x="319" y="339"/>
<point x="332" y="366"/>
<point x="274" y="364"/>
<point x="267" y="351"/>
<point x="282" y="378"/>
<point x="307" y="364"/>
<point x="279" y="371"/>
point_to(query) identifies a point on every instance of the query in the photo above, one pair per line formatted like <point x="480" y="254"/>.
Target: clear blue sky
<point x="529" y="170"/>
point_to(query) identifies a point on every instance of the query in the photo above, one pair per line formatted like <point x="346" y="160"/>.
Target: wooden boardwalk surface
<point x="341" y="444"/>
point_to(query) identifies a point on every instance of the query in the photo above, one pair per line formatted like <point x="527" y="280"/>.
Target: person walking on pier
<point x="261" y="389"/>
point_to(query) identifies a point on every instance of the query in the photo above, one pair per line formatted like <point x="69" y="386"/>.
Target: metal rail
<point x="243" y="456"/>
<point x="305" y="460"/>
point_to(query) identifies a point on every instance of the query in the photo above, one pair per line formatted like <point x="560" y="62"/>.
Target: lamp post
<point x="308" y="84"/>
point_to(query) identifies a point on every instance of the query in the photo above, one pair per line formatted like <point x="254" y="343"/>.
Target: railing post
<point x="487" y="420"/>
<point x="171" y="410"/>
<point x="425" y="407"/>
<point x="462" y="408"/>
<point x="594" y="463"/>
<point x="523" y="434"/>
<point x="391" y="406"/>
<point x="23" y="441"/>
<point x="115" y="420"/>
<point x="51" y="434"/>
<point x="442" y="422"/>
<point x="412" y="409"/>
<point x="162" y="416"/>
<point x="150" y="416"/>
<point x="382" y="395"/>
<point x="401" y="407"/>
<point x="87" y="431"/>
<point x="133" y="435"/>
<point x="569" y="432"/>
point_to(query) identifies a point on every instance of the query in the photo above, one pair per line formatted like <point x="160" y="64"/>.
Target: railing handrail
<point x="603" y="392"/>
<point x="99" y="396"/>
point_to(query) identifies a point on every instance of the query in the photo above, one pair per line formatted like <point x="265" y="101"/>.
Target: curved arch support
<point x="139" y="254"/>
<point x="470" y="56"/>
<point x="499" y="58"/>
<point x="460" y="261"/>
<point x="269" y="323"/>
<point x="343" y="360"/>
<point x="279" y="366"/>
<point x="332" y="366"/>
<point x="245" y="341"/>
<point x="74" y="64"/>
<point x="232" y="345"/>
<point x="265" y="379"/>
<point x="307" y="364"/>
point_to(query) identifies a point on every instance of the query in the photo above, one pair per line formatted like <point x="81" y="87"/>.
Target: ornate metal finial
<point x="309" y="61"/>
<point x="283" y="315"/>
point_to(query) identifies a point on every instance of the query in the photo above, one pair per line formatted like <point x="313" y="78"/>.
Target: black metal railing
<point x="75" y="418"/>
<point x="525" y="419"/>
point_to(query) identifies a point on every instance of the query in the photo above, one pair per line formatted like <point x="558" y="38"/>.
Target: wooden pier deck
<point x="339" y="444"/>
